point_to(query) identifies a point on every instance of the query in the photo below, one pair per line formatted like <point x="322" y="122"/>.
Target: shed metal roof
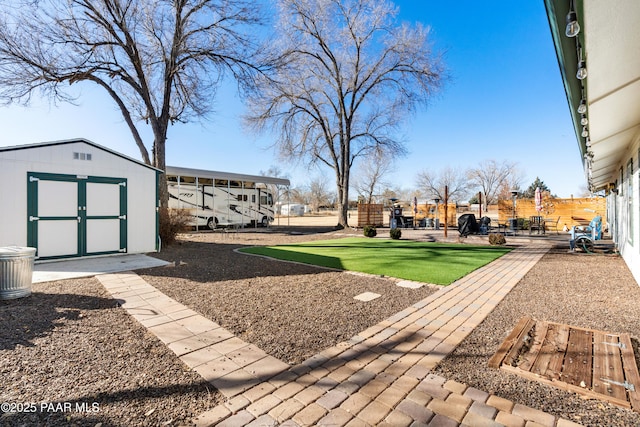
<point x="75" y="141"/>
<point x="171" y="170"/>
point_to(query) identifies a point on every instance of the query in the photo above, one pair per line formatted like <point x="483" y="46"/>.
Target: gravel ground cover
<point x="70" y="348"/>
<point x="68" y="342"/>
<point x="291" y="311"/>
<point x="593" y="291"/>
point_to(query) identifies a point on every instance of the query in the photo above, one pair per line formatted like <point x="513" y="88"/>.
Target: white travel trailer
<point x="222" y="199"/>
<point x="292" y="209"/>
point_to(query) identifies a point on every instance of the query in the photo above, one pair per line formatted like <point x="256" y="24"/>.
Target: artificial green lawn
<point x="439" y="263"/>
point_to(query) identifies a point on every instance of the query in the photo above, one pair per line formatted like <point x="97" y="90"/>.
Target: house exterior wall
<point x="58" y="158"/>
<point x="624" y="206"/>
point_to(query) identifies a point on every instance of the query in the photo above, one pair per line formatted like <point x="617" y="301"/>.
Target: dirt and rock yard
<point x="69" y="342"/>
<point x="70" y="356"/>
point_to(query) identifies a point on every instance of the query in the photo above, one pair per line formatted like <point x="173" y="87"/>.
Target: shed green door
<point x="71" y="216"/>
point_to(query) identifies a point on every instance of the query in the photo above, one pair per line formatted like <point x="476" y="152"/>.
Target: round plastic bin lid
<point x="16" y="251"/>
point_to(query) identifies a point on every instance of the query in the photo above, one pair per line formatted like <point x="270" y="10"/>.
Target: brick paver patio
<point x="379" y="377"/>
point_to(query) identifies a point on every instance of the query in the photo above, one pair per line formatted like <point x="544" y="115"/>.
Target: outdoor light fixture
<point x="582" y="70"/>
<point x="573" y="28"/>
<point x="582" y="65"/>
<point x="583" y="120"/>
<point x="585" y="132"/>
<point x="588" y="142"/>
<point x="582" y="108"/>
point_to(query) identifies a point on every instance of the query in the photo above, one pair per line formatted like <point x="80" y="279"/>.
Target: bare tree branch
<point x="369" y="175"/>
<point x="160" y="61"/>
<point x="352" y="76"/>
<point x="492" y="177"/>
<point x="432" y="184"/>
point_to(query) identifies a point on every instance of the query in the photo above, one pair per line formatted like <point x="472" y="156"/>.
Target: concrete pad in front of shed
<point x="367" y="296"/>
<point x="86" y="267"/>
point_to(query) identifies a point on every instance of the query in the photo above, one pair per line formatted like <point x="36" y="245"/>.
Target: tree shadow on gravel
<point x="25" y="319"/>
<point x="213" y="262"/>
<point x="93" y="410"/>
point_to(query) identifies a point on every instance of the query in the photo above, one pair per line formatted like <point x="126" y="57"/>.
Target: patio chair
<point x="583" y="237"/>
<point x="536" y="223"/>
<point x="550" y="222"/>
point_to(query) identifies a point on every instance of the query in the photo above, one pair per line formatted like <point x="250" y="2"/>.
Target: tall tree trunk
<point x="343" y="199"/>
<point x="342" y="172"/>
<point x="159" y="161"/>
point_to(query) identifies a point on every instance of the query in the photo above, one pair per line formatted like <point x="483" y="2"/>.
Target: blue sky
<point x="504" y="101"/>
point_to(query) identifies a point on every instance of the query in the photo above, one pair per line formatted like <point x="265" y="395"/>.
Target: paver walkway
<point x="379" y="377"/>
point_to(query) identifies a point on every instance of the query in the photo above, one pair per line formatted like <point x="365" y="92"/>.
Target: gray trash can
<point x="16" y="271"/>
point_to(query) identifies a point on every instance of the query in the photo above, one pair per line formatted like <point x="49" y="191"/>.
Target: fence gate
<point x="74" y="215"/>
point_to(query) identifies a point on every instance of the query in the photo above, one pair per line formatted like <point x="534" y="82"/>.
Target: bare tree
<point x="491" y="177"/>
<point x="433" y="183"/>
<point x="279" y="193"/>
<point x="160" y="61"/>
<point x="369" y="177"/>
<point x="299" y="195"/>
<point x="389" y="193"/>
<point x="314" y="193"/>
<point x="352" y="75"/>
<point x="319" y="194"/>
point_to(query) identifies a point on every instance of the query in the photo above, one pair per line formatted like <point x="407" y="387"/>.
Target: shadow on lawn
<point x="400" y="245"/>
<point x="419" y="261"/>
<point x="215" y="262"/>
<point x="207" y="262"/>
<point x="25" y="319"/>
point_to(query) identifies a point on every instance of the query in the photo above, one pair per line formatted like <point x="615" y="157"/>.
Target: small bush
<point x="395" y="233"/>
<point x="172" y="222"/>
<point x="497" y="239"/>
<point x="370" y="231"/>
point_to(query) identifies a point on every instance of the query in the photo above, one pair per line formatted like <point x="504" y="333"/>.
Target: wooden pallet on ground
<point x="595" y="364"/>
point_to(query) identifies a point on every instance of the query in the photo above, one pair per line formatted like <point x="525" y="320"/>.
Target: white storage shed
<point x="75" y="198"/>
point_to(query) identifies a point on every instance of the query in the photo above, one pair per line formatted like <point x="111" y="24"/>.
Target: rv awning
<point x="202" y="173"/>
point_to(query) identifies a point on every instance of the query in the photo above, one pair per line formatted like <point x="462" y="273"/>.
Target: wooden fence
<point x="378" y="214"/>
<point x="370" y="214"/>
<point x="566" y="212"/>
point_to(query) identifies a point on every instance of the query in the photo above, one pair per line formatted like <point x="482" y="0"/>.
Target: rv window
<point x="253" y="198"/>
<point x="263" y="200"/>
